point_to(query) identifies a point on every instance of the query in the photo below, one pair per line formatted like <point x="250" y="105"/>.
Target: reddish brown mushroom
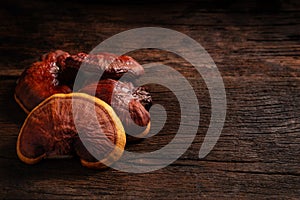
<point x="39" y="81"/>
<point x="111" y="65"/>
<point x="57" y="70"/>
<point x="50" y="132"/>
<point x="127" y="101"/>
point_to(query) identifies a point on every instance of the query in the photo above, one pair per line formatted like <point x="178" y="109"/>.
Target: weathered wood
<point x="257" y="53"/>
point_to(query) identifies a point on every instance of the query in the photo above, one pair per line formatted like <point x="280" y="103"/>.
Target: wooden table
<point x="256" y="47"/>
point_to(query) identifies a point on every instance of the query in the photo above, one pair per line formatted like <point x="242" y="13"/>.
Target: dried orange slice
<point x="72" y="124"/>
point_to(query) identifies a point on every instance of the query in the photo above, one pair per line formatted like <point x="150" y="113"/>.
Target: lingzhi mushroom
<point x="45" y="91"/>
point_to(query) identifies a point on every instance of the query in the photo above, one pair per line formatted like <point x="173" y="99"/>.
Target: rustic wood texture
<point x="256" y="47"/>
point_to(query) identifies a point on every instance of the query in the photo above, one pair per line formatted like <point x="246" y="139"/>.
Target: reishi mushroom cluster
<point x="57" y="112"/>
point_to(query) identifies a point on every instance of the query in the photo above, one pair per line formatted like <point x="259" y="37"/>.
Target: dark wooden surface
<point x="256" y="47"/>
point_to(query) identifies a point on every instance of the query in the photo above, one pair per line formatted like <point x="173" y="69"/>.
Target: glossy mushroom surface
<point x="127" y="101"/>
<point x="72" y="124"/>
<point x="40" y="81"/>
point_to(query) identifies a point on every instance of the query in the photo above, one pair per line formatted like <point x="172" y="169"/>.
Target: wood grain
<point x="257" y="50"/>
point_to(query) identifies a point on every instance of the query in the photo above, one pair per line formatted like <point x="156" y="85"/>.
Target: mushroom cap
<point x="127" y="105"/>
<point x="72" y="124"/>
<point x="111" y="65"/>
<point x="39" y="81"/>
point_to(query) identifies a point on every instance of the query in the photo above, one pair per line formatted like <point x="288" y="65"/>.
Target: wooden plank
<point x="257" y="52"/>
<point x="231" y="38"/>
<point x="255" y="155"/>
